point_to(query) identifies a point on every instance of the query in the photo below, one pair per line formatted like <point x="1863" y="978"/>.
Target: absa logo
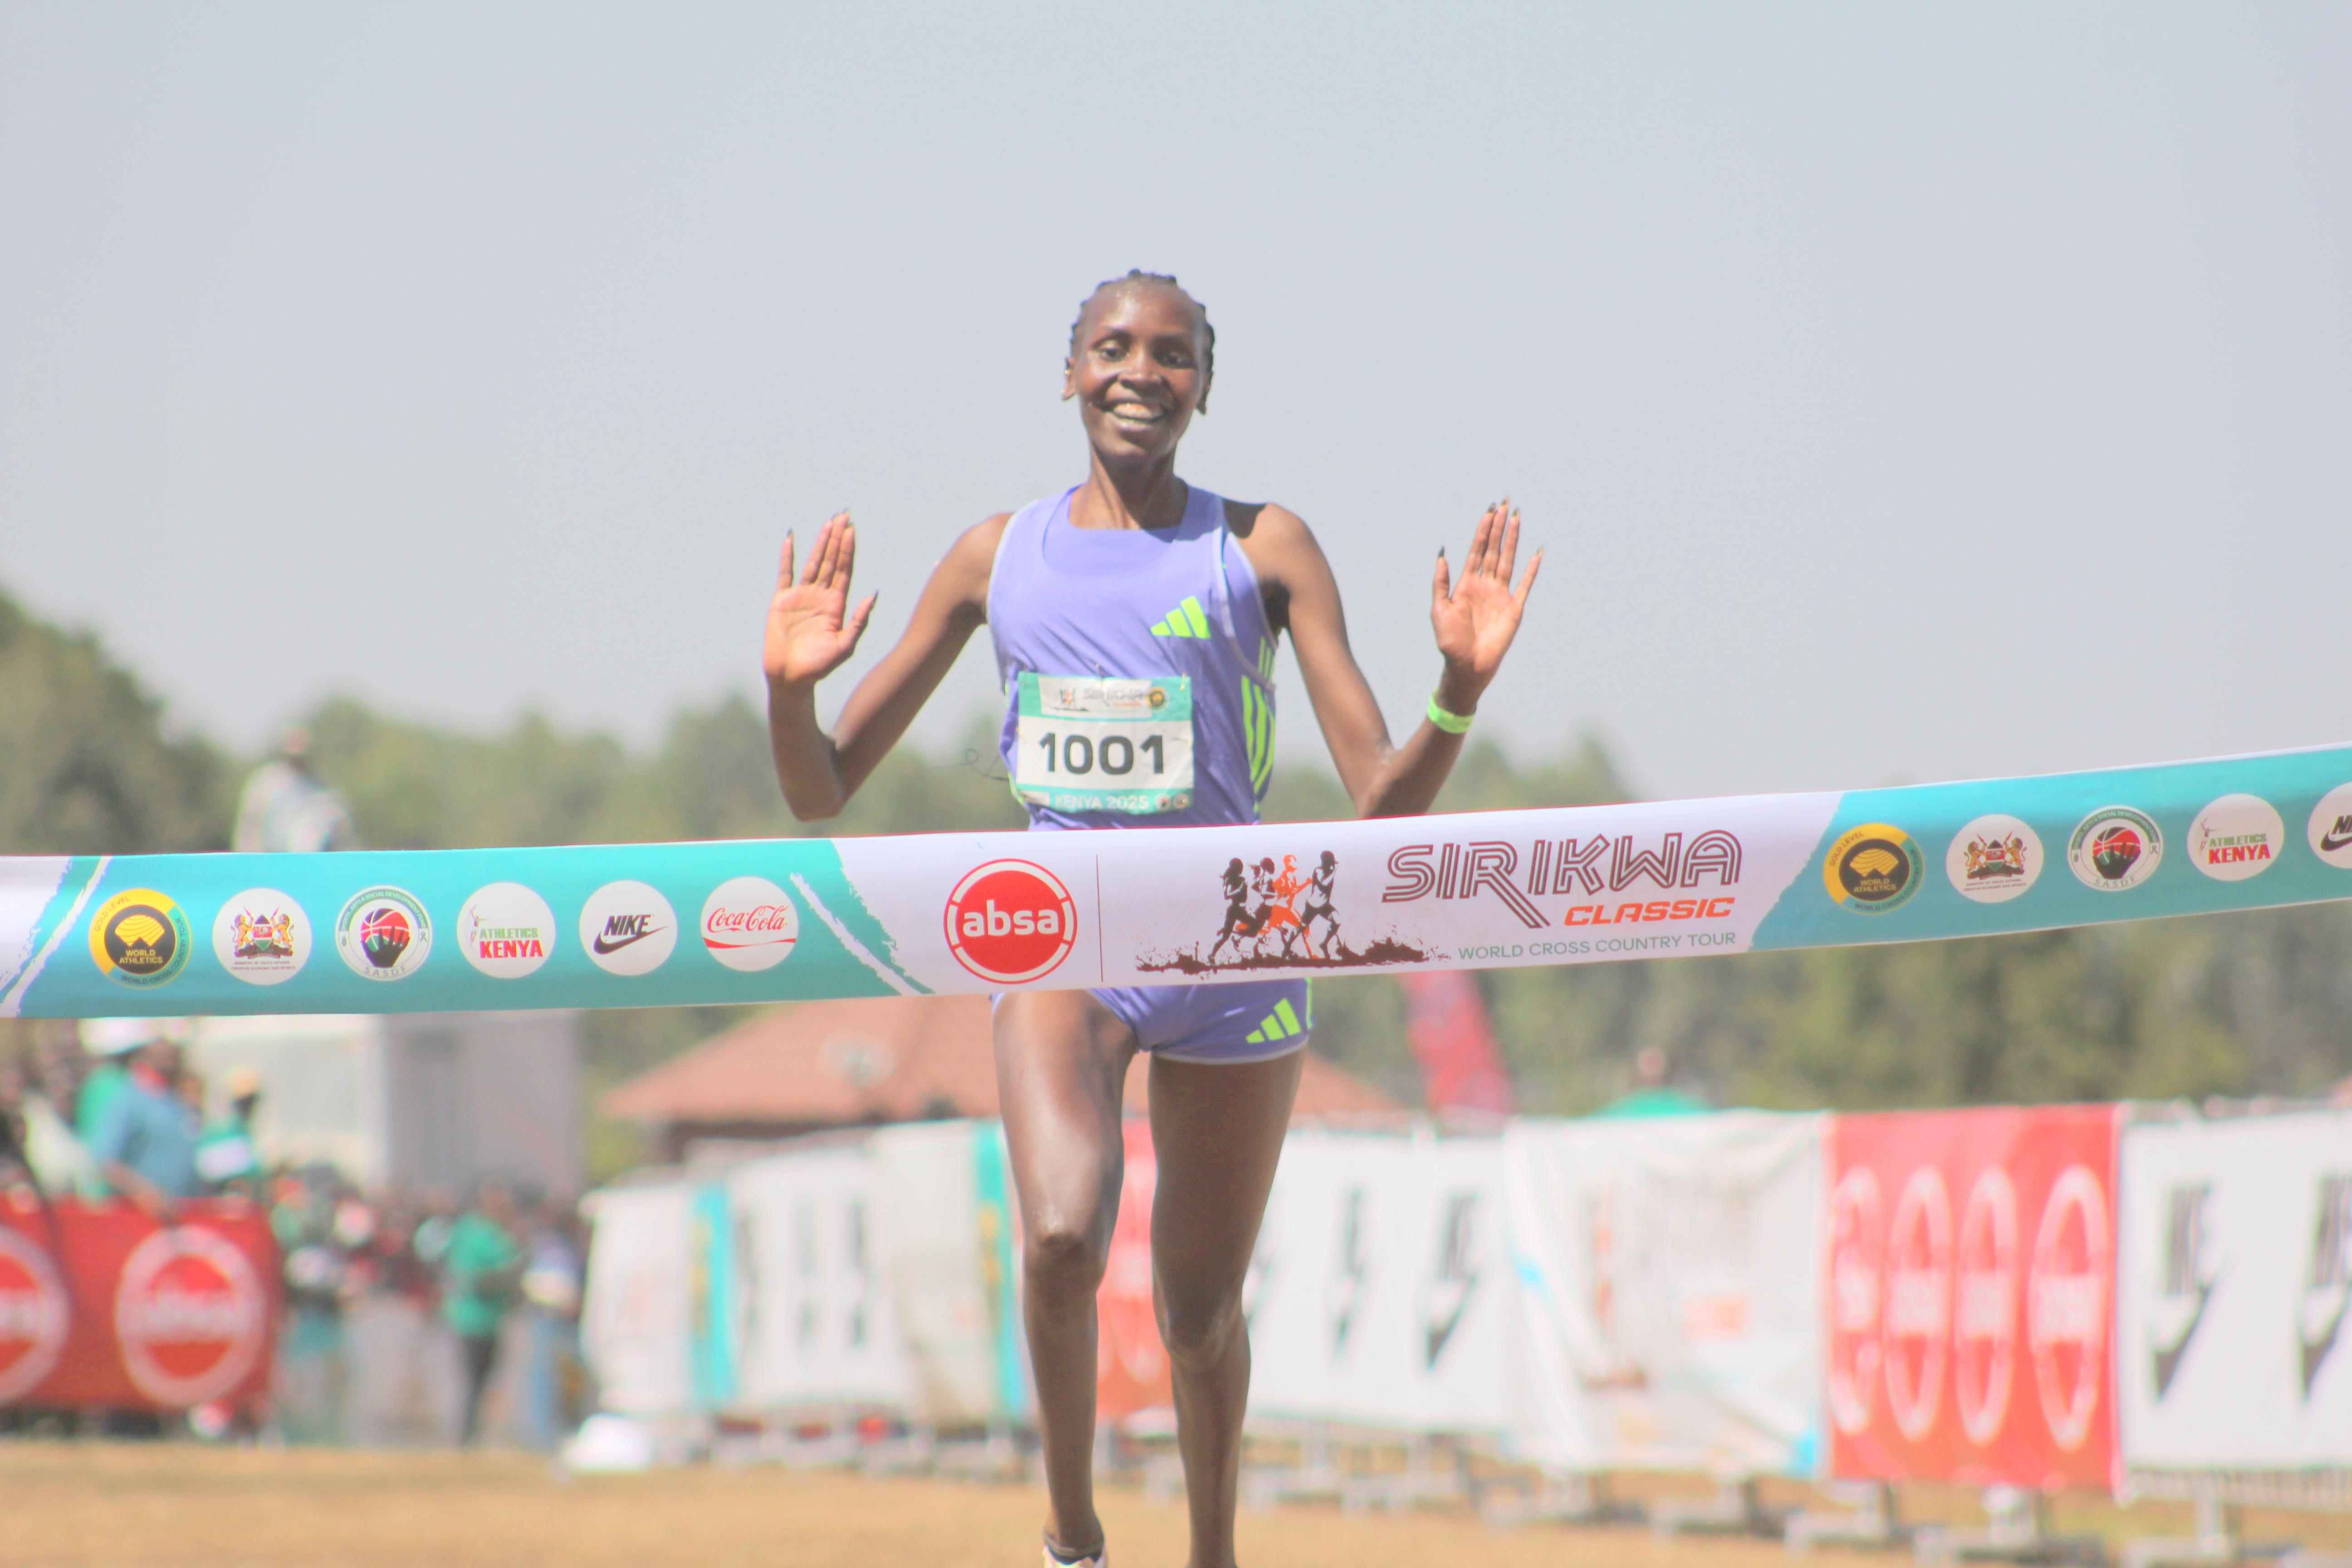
<point x="34" y="1320"/>
<point x="2066" y="1305"/>
<point x="1011" y="921"/>
<point x="190" y="1315"/>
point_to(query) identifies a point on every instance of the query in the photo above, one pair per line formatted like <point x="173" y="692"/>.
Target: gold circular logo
<point x="1874" y="867"/>
<point x="140" y="938"/>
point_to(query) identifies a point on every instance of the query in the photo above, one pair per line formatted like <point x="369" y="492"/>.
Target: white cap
<point x="114" y="1037"/>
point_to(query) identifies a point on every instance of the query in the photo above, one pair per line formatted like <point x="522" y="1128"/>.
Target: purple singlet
<point x="1139" y="671"/>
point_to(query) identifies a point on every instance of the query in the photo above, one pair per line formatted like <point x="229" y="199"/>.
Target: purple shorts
<point x="1249" y="1021"/>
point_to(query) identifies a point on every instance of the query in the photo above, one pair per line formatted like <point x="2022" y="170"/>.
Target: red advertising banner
<point x="100" y="1307"/>
<point x="1971" y="1296"/>
<point x="1131" y="1362"/>
<point x="1452" y="1038"/>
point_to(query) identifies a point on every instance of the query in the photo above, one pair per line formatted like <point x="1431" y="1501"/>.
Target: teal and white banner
<point x="781" y="920"/>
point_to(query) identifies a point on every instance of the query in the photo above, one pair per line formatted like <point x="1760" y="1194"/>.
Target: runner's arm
<point x="1475" y="619"/>
<point x="812" y="632"/>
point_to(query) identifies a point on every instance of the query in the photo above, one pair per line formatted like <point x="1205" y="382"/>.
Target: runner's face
<point x="1137" y="370"/>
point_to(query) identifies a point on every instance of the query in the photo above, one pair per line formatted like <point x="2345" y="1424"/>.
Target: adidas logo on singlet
<point x="1186" y="620"/>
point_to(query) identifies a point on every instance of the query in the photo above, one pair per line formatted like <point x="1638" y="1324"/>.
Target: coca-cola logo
<point x="749" y="924"/>
<point x="1918" y="1313"/>
<point x="190" y="1315"/>
<point x="1011" y="921"/>
<point x="1984" y="1325"/>
<point x="1857" y="1260"/>
<point x="2066" y="1305"/>
<point x="34" y="1318"/>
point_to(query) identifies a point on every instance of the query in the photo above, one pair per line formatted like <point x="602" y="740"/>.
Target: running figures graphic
<point x="1281" y="917"/>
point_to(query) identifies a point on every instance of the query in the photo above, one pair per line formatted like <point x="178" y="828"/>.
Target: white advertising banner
<point x="943" y="1240"/>
<point x="637" y="1316"/>
<point x="1669" y="1285"/>
<point x="1379" y="1292"/>
<point x="737" y="921"/>
<point x="2234" y="1271"/>
<point x="817" y="1322"/>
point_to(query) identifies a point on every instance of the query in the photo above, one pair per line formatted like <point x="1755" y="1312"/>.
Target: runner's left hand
<point x="1477" y="618"/>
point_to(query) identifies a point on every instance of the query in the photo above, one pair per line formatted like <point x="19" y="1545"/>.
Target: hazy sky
<point x="1902" y="391"/>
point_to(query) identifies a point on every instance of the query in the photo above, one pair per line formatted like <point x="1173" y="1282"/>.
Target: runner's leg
<point x="1061" y="1064"/>
<point x="1216" y="1132"/>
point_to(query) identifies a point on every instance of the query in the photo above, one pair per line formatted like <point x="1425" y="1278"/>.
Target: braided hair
<point x="1137" y="275"/>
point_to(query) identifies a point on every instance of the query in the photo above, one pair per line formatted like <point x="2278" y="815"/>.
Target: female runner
<point x="1135" y="575"/>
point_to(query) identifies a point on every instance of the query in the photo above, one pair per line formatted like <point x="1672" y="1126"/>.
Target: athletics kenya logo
<point x="1011" y="921"/>
<point x="34" y="1318"/>
<point x="191" y="1316"/>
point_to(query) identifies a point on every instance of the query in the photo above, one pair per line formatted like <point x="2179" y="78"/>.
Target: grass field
<point x="96" y="1505"/>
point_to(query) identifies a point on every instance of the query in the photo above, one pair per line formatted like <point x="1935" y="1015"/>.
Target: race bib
<point x="1087" y="743"/>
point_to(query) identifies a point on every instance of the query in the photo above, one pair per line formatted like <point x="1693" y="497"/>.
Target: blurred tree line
<point x="2232" y="1005"/>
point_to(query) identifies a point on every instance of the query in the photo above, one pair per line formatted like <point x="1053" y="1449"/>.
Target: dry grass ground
<point x="93" y="1505"/>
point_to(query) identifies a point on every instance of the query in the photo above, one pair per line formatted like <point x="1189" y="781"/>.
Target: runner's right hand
<point x="812" y="631"/>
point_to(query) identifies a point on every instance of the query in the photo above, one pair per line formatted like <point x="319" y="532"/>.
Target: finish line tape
<point x="789" y="919"/>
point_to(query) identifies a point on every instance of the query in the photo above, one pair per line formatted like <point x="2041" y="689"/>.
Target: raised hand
<point x="812" y="631"/>
<point x="1477" y="618"/>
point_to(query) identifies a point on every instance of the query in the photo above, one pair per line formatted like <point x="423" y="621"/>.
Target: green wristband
<point x="1452" y="723"/>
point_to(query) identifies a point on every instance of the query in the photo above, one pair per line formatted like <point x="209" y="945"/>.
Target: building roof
<point x="882" y="1058"/>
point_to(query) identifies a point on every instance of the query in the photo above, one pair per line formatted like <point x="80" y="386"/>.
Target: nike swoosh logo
<point x="604" y="946"/>
<point x="2167" y="1357"/>
<point x="2329" y="843"/>
<point x="2316" y="1352"/>
<point x="1439" y="1326"/>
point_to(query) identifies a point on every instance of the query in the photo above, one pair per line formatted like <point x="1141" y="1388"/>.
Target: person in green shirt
<point x="227" y="1157"/>
<point x="481" y="1270"/>
<point x="1653" y="1095"/>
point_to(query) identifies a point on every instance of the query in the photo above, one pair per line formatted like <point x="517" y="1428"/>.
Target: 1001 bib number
<point x="1091" y="743"/>
<point x="1080" y="754"/>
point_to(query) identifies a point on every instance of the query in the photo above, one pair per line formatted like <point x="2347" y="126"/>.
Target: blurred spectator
<point x="227" y="1156"/>
<point x="312" y="1367"/>
<point x="105" y="1071"/>
<point x="58" y="1158"/>
<point x="1653" y="1094"/>
<point x="145" y="1140"/>
<point x="14" y="1162"/>
<point x="285" y="807"/>
<point x="554" y="1379"/>
<point x="433" y="1230"/>
<point x="480" y="1270"/>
